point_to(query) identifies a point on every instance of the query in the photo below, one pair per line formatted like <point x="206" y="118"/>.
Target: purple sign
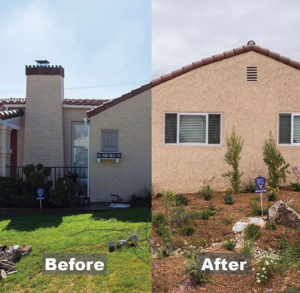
<point x="40" y="194"/>
<point x="260" y="182"/>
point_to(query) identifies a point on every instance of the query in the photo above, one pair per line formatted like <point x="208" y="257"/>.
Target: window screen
<point x="192" y="129"/>
<point x="214" y="128"/>
<point x="109" y="140"/>
<point x="171" y="128"/>
<point x="296" y="137"/>
<point x="285" y="128"/>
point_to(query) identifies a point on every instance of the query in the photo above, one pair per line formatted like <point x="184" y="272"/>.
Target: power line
<point x="88" y="87"/>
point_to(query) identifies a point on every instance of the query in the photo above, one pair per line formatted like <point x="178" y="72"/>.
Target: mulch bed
<point x="168" y="273"/>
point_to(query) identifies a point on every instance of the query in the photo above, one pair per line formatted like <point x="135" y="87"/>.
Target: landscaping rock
<point x="241" y="225"/>
<point x="283" y="214"/>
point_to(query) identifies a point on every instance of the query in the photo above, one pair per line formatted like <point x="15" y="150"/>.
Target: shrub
<point x="265" y="268"/>
<point x="277" y="166"/>
<point x="282" y="243"/>
<point x="204" y="214"/>
<point x="248" y="246"/>
<point x="272" y="193"/>
<point x="65" y="190"/>
<point x="187" y="231"/>
<point x="249" y="187"/>
<point x="229" y="245"/>
<point x="195" y="274"/>
<point x="234" y="145"/>
<point x="179" y="216"/>
<point x="10" y="191"/>
<point x="296" y="185"/>
<point x="158" y="219"/>
<point x="256" y="210"/>
<point x="252" y="232"/>
<point x="228" y="220"/>
<point x="270" y="226"/>
<point x="228" y="199"/>
<point x="180" y="199"/>
<point x="163" y="231"/>
<point x="212" y="210"/>
<point x="206" y="191"/>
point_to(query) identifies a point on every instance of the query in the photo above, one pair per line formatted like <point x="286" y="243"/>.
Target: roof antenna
<point x="42" y="62"/>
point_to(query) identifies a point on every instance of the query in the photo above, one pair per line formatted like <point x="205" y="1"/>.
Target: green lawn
<point x="128" y="270"/>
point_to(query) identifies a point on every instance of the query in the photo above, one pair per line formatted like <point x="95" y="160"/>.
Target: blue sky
<point x="104" y="45"/>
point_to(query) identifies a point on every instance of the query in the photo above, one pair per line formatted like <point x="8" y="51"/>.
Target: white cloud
<point x="186" y="31"/>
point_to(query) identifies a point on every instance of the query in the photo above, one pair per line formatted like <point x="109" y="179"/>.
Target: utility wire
<point x="88" y="87"/>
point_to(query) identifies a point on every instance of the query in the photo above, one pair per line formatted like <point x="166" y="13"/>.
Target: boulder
<point x="283" y="214"/>
<point x="241" y="225"/>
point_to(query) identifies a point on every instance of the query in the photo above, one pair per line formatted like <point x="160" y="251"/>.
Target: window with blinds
<point x="296" y="132"/>
<point x="285" y="128"/>
<point x="192" y="128"/>
<point x="109" y="140"/>
<point x="289" y="128"/>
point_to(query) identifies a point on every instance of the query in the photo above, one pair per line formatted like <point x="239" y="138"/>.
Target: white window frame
<point x="293" y="114"/>
<point x="206" y="134"/>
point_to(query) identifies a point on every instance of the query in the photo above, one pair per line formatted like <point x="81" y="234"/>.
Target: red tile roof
<point x="11" y="114"/>
<point x="76" y="102"/>
<point x="249" y="47"/>
<point x="83" y="102"/>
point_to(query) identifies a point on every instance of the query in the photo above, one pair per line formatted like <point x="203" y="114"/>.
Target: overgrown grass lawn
<point x="128" y="270"/>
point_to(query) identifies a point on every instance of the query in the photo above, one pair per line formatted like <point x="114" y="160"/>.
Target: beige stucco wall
<point x="133" y="172"/>
<point x="251" y="107"/>
<point x="71" y="115"/>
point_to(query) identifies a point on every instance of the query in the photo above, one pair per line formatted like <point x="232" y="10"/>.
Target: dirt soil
<point x="168" y="273"/>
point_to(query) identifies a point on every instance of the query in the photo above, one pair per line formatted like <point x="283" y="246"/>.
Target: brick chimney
<point x="43" y="141"/>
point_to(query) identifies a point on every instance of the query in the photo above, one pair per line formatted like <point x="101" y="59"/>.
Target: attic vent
<point x="251" y="73"/>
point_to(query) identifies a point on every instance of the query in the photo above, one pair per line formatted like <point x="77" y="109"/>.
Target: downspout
<point x="87" y="123"/>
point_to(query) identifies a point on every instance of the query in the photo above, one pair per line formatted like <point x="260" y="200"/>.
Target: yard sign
<point x="40" y="194"/>
<point x="260" y="183"/>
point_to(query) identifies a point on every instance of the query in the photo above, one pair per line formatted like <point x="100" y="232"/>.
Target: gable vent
<point x="251" y="73"/>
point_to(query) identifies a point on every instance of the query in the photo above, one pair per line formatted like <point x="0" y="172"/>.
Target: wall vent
<point x="251" y="73"/>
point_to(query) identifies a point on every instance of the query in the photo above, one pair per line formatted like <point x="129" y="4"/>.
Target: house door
<point x="13" y="157"/>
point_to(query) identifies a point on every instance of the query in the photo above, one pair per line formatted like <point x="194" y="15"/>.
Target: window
<point x="190" y="128"/>
<point x="109" y="140"/>
<point x="289" y="128"/>
<point x="80" y="144"/>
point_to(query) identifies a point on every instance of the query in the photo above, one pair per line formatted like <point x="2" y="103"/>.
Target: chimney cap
<point x="42" y="62"/>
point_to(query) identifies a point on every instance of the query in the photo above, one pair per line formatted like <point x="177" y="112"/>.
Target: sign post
<point x="260" y="183"/>
<point x="40" y="194"/>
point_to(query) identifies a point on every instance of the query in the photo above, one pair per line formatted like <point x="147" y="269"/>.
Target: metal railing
<point x="16" y="172"/>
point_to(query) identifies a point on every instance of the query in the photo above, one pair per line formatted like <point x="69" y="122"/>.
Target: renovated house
<point x="168" y="134"/>
<point x="171" y="133"/>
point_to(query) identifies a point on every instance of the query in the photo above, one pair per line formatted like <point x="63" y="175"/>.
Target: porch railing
<point x="16" y="172"/>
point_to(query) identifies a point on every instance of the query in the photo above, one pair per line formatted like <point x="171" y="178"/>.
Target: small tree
<point x="234" y="145"/>
<point x="277" y="166"/>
